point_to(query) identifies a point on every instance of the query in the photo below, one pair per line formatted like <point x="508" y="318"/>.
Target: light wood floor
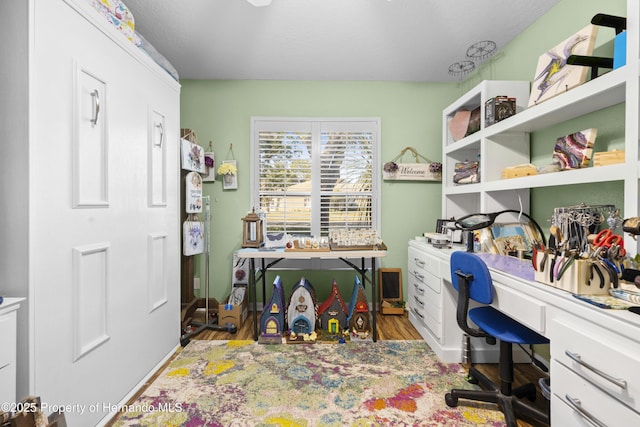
<point x="390" y="327"/>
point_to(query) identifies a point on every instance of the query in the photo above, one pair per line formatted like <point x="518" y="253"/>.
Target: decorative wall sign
<point x="193" y="192"/>
<point x="229" y="172"/>
<point x="554" y="75"/>
<point x="429" y="171"/>
<point x="192" y="236"/>
<point x="192" y="156"/>
<point x="209" y="174"/>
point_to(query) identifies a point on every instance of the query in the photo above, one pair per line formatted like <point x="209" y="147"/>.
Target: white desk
<point x="275" y="256"/>
<point x="595" y="353"/>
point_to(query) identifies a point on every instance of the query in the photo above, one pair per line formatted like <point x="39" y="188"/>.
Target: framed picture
<point x="553" y="75"/>
<point x="192" y="156"/>
<point x="209" y="174"/>
<point x="513" y="237"/>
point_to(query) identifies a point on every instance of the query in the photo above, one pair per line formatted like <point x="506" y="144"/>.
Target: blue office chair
<point x="472" y="280"/>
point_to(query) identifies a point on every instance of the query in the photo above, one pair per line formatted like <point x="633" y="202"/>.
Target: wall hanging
<point x="192" y="156"/>
<point x="428" y="171"/>
<point x="209" y="174"/>
<point x="228" y="170"/>
<point x="193" y="192"/>
<point x="192" y="236"/>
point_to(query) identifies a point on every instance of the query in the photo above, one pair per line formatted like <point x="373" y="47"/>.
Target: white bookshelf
<point x="507" y="143"/>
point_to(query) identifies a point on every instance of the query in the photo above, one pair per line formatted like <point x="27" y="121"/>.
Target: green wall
<point x="410" y="113"/>
<point x="220" y="111"/>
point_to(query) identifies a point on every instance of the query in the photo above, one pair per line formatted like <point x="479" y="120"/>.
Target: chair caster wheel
<point x="451" y="400"/>
<point x="471" y="379"/>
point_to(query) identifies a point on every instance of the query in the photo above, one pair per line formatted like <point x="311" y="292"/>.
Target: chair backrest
<point x="481" y="285"/>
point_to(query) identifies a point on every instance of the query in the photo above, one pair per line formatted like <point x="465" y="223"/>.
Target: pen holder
<point x="575" y="279"/>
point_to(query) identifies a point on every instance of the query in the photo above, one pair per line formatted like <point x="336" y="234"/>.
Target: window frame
<point x="314" y="125"/>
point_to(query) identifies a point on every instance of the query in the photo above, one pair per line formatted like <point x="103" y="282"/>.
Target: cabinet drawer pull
<point x="418" y="276"/>
<point x="419" y="262"/>
<point x="418" y="288"/>
<point x="418" y="314"/>
<point x="418" y="301"/>
<point x="576" y="405"/>
<point x="576" y="358"/>
<point x="95" y="95"/>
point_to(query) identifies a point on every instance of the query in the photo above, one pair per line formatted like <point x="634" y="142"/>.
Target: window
<point x="312" y="175"/>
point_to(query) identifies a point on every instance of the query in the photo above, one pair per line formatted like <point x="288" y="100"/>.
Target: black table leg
<point x="373" y="297"/>
<point x="253" y="293"/>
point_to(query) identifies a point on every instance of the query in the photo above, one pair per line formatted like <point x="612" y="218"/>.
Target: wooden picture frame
<point x="390" y="285"/>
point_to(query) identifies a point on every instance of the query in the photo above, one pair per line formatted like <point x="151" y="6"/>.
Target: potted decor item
<point x="229" y="171"/>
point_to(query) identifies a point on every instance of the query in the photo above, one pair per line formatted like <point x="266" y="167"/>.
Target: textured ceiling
<point x="387" y="40"/>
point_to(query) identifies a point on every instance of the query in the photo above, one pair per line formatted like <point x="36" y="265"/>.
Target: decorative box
<point x="604" y="158"/>
<point x="519" y="170"/>
<point x="498" y="108"/>
<point x="466" y="173"/>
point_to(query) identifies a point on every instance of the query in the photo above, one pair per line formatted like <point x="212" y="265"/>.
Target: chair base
<point x="510" y="404"/>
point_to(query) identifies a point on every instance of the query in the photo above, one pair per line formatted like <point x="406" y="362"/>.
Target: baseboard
<point x="109" y="417"/>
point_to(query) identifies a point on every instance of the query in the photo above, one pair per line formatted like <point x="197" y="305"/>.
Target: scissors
<point x="605" y="239"/>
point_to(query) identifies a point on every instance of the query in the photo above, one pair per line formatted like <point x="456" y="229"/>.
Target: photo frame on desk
<point x="448" y="227"/>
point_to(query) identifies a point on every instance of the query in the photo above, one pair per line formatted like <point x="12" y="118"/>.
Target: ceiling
<point x="384" y="40"/>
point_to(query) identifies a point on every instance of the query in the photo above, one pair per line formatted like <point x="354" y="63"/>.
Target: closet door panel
<point x="89" y="187"/>
<point x="90" y="149"/>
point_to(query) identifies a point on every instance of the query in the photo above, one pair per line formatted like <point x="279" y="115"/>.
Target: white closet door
<point x="104" y="251"/>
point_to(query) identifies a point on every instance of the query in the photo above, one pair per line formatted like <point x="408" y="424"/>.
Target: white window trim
<point x="315" y="121"/>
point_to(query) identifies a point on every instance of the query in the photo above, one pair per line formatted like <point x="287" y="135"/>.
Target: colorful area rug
<point x="242" y="383"/>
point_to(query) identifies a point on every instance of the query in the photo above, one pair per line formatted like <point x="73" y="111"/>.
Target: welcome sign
<point x="412" y="172"/>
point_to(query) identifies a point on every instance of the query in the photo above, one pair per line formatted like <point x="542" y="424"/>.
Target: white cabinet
<point x="94" y="209"/>
<point x="432" y="301"/>
<point x="594" y="373"/>
<point x="8" y="338"/>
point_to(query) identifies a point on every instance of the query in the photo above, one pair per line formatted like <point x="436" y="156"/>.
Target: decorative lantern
<point x="252" y="230"/>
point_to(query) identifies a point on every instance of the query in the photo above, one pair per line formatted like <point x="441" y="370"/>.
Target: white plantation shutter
<point x="314" y="175"/>
<point x="346" y="188"/>
<point x="284" y="171"/>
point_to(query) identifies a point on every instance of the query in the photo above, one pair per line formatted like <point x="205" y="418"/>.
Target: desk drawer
<point x="421" y="262"/>
<point x="526" y="310"/>
<point x="426" y="305"/>
<point x="424" y="279"/>
<point x="574" y="400"/>
<point x="598" y="355"/>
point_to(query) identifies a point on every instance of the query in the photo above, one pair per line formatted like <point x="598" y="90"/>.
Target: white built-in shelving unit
<point x="507" y="143"/>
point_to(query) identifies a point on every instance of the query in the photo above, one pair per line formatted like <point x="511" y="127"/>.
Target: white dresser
<point x="8" y="338"/>
<point x="90" y="234"/>
<point x="595" y="353"/>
